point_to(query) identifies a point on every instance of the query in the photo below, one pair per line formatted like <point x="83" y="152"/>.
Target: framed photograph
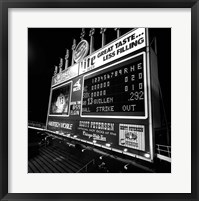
<point x="99" y="100"/>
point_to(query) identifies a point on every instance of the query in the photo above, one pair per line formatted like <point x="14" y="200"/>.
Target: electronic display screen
<point x="60" y="100"/>
<point x="116" y="91"/>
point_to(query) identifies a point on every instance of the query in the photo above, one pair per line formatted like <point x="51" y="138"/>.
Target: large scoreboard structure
<point x="109" y="99"/>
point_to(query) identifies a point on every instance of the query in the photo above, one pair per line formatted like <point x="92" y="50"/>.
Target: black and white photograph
<point x="99" y="100"/>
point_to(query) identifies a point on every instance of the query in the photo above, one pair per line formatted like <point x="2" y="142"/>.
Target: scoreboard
<point x="105" y="99"/>
<point x="117" y="90"/>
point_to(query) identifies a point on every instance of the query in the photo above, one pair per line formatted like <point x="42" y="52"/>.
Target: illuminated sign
<point x="118" y="91"/>
<point x="132" y="41"/>
<point x="132" y="136"/>
<point x="81" y="50"/>
<point x="95" y="131"/>
<point x="65" y="75"/>
<point x="60" y="100"/>
<point x="61" y="125"/>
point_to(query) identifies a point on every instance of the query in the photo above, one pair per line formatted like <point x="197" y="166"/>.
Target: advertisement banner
<point x="61" y="125"/>
<point x="132" y="136"/>
<point x="128" y="43"/>
<point x="65" y="75"/>
<point x="112" y="134"/>
<point x="97" y="131"/>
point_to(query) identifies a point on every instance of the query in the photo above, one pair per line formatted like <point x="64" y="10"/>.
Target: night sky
<point x="47" y="45"/>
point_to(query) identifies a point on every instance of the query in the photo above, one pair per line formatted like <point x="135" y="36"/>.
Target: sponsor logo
<point x="77" y="86"/>
<point x="132" y="136"/>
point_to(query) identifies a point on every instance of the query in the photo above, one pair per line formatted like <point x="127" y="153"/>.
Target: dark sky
<point x="47" y="45"/>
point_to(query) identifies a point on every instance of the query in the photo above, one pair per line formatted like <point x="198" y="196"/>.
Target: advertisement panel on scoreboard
<point x="60" y="125"/>
<point x="126" y="44"/>
<point x="113" y="134"/>
<point x="65" y="75"/>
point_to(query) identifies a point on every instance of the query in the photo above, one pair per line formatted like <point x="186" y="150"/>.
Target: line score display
<point x="118" y="90"/>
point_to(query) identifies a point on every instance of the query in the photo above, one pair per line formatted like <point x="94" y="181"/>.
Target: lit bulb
<point x="147" y="155"/>
<point x="108" y="144"/>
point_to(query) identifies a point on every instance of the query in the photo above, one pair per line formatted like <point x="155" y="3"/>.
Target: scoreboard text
<point x="119" y="90"/>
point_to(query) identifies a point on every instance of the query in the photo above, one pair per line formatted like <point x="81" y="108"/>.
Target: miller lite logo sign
<point x="81" y="50"/>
